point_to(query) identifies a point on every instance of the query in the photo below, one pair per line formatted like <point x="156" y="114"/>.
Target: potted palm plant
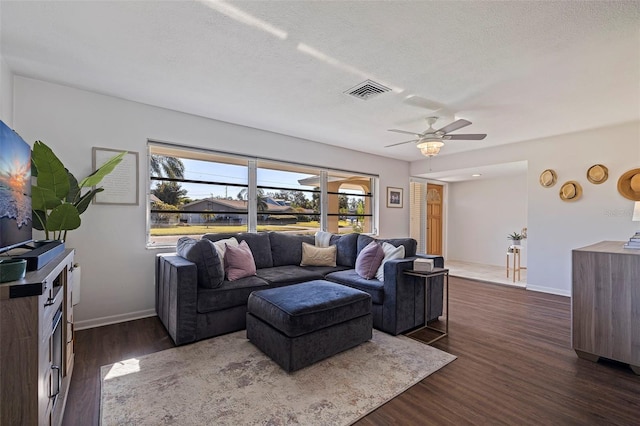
<point x="56" y="195"/>
<point x="515" y="238"/>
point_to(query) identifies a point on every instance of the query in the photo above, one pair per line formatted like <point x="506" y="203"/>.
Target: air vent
<point x="367" y="89"/>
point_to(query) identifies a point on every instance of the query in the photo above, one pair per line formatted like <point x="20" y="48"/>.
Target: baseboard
<point x="550" y="290"/>
<point x="113" y="319"/>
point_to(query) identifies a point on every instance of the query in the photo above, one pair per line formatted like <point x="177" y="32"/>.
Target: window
<point x="288" y="197"/>
<point x="193" y="192"/>
<point x="350" y="200"/>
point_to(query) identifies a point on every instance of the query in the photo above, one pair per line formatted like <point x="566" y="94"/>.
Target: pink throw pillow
<point x="238" y="262"/>
<point x="369" y="260"/>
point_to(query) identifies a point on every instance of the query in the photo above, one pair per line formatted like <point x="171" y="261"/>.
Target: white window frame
<point x="252" y="185"/>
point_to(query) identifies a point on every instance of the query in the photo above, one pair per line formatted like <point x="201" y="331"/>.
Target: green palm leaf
<point x="39" y="220"/>
<point x="74" y="189"/>
<point x="50" y="171"/>
<point x="43" y="198"/>
<point x="85" y="200"/>
<point x="96" y="177"/>
<point x="65" y="217"/>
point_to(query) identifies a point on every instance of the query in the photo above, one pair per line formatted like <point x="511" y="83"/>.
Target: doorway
<point x="434" y="218"/>
<point x="426" y="224"/>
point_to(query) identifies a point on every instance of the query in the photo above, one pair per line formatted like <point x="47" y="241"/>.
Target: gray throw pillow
<point x="203" y="254"/>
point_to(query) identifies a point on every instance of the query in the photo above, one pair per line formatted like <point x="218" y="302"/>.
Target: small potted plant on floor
<point x="515" y="238"/>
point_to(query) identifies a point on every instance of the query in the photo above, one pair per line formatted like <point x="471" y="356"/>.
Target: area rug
<point x="228" y="381"/>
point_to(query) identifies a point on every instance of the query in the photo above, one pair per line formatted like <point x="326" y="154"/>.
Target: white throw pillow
<point x="323" y="238"/>
<point x="221" y="248"/>
<point x="390" y="252"/>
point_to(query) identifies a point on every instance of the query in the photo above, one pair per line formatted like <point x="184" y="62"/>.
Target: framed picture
<point x="121" y="185"/>
<point x="394" y="197"/>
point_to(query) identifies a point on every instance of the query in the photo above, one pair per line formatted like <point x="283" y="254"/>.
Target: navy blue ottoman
<point x="301" y="324"/>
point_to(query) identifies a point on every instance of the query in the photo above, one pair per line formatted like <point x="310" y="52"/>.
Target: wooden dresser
<point x="36" y="344"/>
<point x="605" y="303"/>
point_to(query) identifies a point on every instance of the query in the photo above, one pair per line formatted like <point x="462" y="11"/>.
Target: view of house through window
<point x="285" y="198"/>
<point x="349" y="203"/>
<point x="194" y="192"/>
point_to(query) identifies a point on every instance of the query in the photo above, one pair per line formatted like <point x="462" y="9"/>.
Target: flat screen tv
<point x="15" y="189"/>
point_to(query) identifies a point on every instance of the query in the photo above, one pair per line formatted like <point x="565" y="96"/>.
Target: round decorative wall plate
<point x="548" y="178"/>
<point x="597" y="174"/>
<point x="570" y="191"/>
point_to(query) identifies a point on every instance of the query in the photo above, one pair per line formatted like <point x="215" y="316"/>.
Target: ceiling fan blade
<point x="401" y="143"/>
<point x="458" y="124"/>
<point x="405" y="132"/>
<point x="470" y="137"/>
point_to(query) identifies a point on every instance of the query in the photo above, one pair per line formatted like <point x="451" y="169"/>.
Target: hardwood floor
<point x="515" y="366"/>
<point x="100" y="346"/>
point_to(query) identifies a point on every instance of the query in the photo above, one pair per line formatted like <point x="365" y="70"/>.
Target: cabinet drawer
<point x="50" y="304"/>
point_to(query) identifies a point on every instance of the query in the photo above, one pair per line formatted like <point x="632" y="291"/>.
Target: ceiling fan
<point x="431" y="140"/>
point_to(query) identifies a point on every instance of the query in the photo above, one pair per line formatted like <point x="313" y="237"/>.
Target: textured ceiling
<point x="517" y="70"/>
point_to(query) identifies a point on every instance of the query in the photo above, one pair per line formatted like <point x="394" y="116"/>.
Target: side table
<point x="515" y="251"/>
<point x="426" y="275"/>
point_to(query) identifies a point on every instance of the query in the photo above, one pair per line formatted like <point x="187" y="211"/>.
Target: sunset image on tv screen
<point x="15" y="187"/>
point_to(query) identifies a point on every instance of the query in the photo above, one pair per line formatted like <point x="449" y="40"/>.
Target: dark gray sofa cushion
<point x="220" y="236"/>
<point x="347" y="247"/>
<point x="259" y="244"/>
<point x="286" y="249"/>
<point x="303" y="308"/>
<point x="229" y="294"/>
<point x="260" y="247"/>
<point x="410" y="245"/>
<point x="291" y="274"/>
<point x="351" y="278"/>
<point x="203" y="254"/>
<point x="324" y="270"/>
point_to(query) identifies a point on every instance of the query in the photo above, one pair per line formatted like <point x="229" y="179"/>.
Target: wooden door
<point x="434" y="218"/>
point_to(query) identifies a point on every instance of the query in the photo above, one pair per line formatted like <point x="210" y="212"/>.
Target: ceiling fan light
<point x="430" y="151"/>
<point x="430" y="148"/>
<point x="430" y="142"/>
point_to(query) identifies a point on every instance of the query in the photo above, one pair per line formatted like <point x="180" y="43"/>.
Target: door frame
<point x="445" y="211"/>
<point x="441" y="230"/>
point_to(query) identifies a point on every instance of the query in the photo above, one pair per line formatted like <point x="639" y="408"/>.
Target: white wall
<point x="481" y="213"/>
<point x="556" y="227"/>
<point x="6" y="93"/>
<point x="117" y="269"/>
<point x="6" y="88"/>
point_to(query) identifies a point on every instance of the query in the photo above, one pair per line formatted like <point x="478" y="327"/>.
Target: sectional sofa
<point x="191" y="309"/>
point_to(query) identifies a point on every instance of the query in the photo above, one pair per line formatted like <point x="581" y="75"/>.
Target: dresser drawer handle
<point x="55" y="367"/>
